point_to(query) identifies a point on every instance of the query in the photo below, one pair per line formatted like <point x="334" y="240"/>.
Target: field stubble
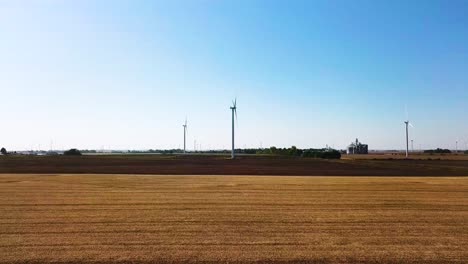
<point x="216" y="219"/>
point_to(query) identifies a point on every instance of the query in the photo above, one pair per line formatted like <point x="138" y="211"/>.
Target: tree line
<point x="324" y="153"/>
<point x="437" y="151"/>
<point x="293" y="151"/>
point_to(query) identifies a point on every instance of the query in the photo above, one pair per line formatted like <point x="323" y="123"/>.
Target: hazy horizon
<point x="126" y="74"/>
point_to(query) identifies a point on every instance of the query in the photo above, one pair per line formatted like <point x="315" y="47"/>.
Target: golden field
<point x="232" y="219"/>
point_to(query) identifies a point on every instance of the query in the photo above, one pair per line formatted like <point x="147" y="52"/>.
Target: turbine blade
<point x="411" y="125"/>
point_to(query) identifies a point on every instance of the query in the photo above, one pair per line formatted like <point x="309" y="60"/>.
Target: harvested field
<point x="222" y="165"/>
<point x="413" y="156"/>
<point x="224" y="219"/>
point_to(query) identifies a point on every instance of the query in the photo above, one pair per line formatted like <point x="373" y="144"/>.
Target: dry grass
<point x="221" y="219"/>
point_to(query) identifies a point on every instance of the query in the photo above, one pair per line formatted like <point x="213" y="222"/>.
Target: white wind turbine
<point x="185" y="132"/>
<point x="407" y="122"/>
<point x="234" y="113"/>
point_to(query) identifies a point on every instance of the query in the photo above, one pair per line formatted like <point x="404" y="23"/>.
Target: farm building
<point x="357" y="148"/>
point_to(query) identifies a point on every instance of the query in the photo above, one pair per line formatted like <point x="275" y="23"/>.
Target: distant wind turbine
<point x="185" y="132"/>
<point x="407" y="122"/>
<point x="234" y="113"/>
<point x="407" y="143"/>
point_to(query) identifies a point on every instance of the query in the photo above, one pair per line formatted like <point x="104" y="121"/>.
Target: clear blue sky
<point x="125" y="74"/>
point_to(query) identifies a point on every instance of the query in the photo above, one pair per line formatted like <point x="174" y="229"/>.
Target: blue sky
<point x="125" y="74"/>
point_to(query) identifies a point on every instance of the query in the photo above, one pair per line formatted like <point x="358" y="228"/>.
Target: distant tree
<point x="438" y="151"/>
<point x="72" y="152"/>
<point x="331" y="154"/>
<point x="321" y="154"/>
<point x="3" y="151"/>
<point x="249" y="151"/>
<point x="292" y="151"/>
<point x="466" y="152"/>
<point x="273" y="150"/>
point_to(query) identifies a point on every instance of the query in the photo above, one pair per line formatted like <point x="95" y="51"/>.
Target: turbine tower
<point x="185" y="132"/>
<point x="407" y="147"/>
<point x="234" y="113"/>
<point x="407" y="122"/>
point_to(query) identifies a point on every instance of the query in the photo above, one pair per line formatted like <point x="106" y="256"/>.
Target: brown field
<point x="225" y="219"/>
<point x="365" y="165"/>
<point x="413" y="156"/>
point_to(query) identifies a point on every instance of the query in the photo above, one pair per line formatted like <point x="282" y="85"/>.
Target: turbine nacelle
<point x="234" y="104"/>
<point x="408" y="123"/>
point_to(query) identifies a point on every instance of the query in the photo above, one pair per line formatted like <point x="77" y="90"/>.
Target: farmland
<point x="413" y="156"/>
<point x="232" y="219"/>
<point x="354" y="165"/>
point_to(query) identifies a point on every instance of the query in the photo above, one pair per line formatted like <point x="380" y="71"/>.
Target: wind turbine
<point x="407" y="143"/>
<point x="407" y="122"/>
<point x="234" y="113"/>
<point x="185" y="132"/>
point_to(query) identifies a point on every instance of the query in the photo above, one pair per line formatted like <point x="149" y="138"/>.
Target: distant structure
<point x="234" y="113"/>
<point x="357" y="148"/>
<point x="185" y="132"/>
<point x="407" y="145"/>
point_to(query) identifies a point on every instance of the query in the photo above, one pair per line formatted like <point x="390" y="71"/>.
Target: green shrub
<point x="438" y="151"/>
<point x="321" y="154"/>
<point x="72" y="152"/>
